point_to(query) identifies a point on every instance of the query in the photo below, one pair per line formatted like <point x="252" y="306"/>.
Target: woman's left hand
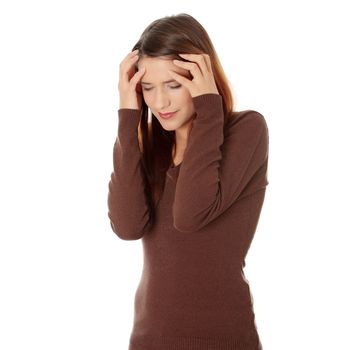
<point x="203" y="81"/>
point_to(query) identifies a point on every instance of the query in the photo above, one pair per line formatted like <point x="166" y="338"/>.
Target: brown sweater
<point x="193" y="294"/>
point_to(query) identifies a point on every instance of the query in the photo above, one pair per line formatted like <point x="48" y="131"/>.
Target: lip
<point x="166" y="115"/>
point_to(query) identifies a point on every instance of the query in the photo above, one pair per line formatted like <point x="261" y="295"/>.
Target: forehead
<point x="157" y="69"/>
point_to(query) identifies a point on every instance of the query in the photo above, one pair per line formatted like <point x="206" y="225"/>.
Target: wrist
<point x="128" y="105"/>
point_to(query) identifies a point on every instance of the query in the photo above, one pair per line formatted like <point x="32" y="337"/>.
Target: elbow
<point x="126" y="233"/>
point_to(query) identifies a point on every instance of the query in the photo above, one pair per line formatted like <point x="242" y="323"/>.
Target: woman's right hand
<point x="130" y="96"/>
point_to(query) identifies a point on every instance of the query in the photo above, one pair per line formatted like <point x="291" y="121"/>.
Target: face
<point x="163" y="94"/>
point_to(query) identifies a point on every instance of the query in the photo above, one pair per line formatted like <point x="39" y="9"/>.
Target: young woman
<point x="189" y="178"/>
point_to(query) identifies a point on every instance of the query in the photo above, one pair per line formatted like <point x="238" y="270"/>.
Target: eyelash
<point x="171" y="87"/>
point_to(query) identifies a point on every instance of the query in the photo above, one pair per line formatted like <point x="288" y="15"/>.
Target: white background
<point x="67" y="281"/>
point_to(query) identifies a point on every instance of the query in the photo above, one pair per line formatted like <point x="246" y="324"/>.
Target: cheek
<point x="185" y="95"/>
<point x="147" y="99"/>
<point x="186" y="100"/>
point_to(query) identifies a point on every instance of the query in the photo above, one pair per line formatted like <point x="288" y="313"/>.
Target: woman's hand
<point x="203" y="81"/>
<point x="130" y="96"/>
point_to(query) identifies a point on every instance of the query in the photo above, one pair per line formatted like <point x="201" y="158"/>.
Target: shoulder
<point x="247" y="121"/>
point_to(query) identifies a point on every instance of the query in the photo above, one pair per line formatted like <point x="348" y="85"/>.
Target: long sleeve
<point x="214" y="173"/>
<point x="127" y="206"/>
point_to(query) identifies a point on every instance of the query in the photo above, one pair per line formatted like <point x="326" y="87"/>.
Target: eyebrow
<point x="164" y="82"/>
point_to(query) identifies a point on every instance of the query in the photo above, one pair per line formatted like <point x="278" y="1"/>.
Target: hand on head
<point x="203" y="81"/>
<point x="130" y="96"/>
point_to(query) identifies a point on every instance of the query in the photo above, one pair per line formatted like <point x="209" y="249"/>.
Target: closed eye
<point x="171" y="87"/>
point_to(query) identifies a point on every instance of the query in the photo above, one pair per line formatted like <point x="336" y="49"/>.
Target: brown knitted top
<point x="193" y="294"/>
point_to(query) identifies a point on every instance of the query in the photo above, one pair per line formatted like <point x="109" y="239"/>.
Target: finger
<point x="198" y="58"/>
<point x="127" y="69"/>
<point x="129" y="56"/>
<point x="208" y="61"/>
<point x="180" y="79"/>
<point x="136" y="78"/>
<point x="192" y="67"/>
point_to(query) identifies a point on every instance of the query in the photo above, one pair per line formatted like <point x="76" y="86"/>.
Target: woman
<point x="189" y="178"/>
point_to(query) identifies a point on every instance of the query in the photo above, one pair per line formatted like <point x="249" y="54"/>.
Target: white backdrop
<point x="67" y="281"/>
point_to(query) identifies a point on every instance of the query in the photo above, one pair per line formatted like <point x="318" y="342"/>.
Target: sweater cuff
<point x="208" y="101"/>
<point x="208" y="104"/>
<point x="206" y="98"/>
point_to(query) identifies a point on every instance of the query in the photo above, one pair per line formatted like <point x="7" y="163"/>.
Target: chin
<point x="169" y="127"/>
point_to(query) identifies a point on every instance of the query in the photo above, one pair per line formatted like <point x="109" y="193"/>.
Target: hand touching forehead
<point x="157" y="70"/>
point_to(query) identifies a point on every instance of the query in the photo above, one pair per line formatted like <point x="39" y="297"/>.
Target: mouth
<point x="166" y="115"/>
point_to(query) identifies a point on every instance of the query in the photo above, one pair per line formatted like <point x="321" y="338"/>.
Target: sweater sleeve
<point x="213" y="174"/>
<point x="127" y="205"/>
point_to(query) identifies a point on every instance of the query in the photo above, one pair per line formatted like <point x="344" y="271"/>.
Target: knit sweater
<point x="193" y="294"/>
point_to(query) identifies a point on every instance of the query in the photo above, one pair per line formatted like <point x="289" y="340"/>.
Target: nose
<point x="162" y="100"/>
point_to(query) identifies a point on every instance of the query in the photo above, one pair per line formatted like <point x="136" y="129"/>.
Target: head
<point x="163" y="94"/>
<point x="161" y="42"/>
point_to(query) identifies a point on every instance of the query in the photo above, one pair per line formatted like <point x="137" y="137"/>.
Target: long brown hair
<point x="169" y="36"/>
